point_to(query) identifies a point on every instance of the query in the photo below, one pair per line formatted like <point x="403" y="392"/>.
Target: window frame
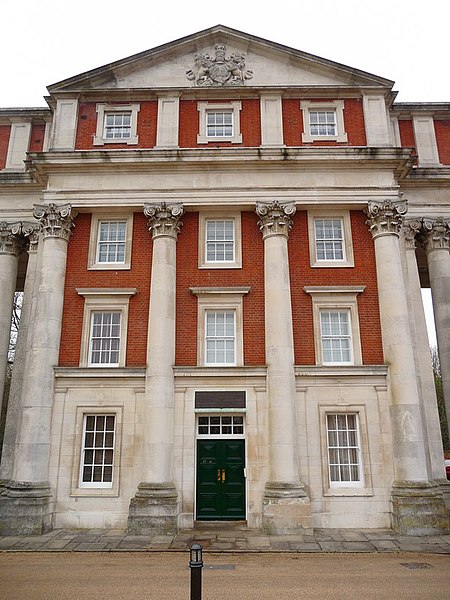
<point x="334" y="483"/>
<point x="336" y="298"/>
<point x="214" y="107"/>
<point x="81" y="412"/>
<point x="104" y="109"/>
<point x="348" y="257"/>
<point x="323" y="336"/>
<point x="364" y="486"/>
<point x="96" y="484"/>
<point x="91" y="350"/>
<point x="94" y="240"/>
<point x="104" y="300"/>
<point x="219" y="300"/>
<point x="216" y="338"/>
<point x="336" y="106"/>
<point x="204" y="218"/>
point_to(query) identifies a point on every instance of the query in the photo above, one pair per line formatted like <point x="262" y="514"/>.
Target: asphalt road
<point x="166" y="576"/>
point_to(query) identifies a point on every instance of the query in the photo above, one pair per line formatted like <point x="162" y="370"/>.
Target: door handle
<point x="223" y="475"/>
<point x="218" y="475"/>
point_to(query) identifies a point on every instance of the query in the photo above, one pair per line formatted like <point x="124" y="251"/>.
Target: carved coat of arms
<point x="219" y="71"/>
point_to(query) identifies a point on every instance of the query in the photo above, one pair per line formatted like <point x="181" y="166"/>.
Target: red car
<point x="447" y="467"/>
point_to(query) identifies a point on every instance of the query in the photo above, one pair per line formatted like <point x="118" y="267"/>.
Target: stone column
<point x="10" y="249"/>
<point x="436" y="239"/>
<point x="26" y="507"/>
<point x="286" y="506"/>
<point x="154" y="509"/>
<point x="418" y="505"/>
<point x="29" y="231"/>
<point x="427" y="389"/>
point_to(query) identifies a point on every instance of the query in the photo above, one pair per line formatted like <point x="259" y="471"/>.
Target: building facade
<point x="222" y="243"/>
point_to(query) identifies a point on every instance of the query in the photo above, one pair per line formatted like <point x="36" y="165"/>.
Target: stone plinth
<point x="286" y="508"/>
<point x="418" y="508"/>
<point x="154" y="509"/>
<point x="26" y="508"/>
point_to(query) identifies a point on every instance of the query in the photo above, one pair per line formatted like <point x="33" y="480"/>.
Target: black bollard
<point x="196" y="565"/>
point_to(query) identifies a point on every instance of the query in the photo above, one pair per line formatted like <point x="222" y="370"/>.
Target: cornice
<point x="398" y="159"/>
<point x="427" y="178"/>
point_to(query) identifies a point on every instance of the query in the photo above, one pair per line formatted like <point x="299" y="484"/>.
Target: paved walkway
<point x="234" y="539"/>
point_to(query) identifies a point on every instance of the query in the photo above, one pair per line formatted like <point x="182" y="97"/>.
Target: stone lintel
<point x="418" y="508"/>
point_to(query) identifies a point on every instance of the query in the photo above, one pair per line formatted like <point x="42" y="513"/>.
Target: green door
<point x="220" y="480"/>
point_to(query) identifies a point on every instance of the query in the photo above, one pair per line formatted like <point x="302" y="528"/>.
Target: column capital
<point x="55" y="221"/>
<point x="435" y="234"/>
<point x="385" y="217"/>
<point x="164" y="219"/>
<point x="411" y="227"/>
<point x="10" y="241"/>
<point x="31" y="232"/>
<point x="275" y="218"/>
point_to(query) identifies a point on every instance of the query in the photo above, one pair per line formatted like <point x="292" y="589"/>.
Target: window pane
<point x="98" y="449"/>
<point x="343" y="448"/>
<point x="111" y="242"/>
<point x="220" y="337"/>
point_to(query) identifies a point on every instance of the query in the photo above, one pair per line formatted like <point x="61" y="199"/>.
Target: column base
<point x="418" y="508"/>
<point x="444" y="486"/>
<point x="286" y="508"/>
<point x="154" y="509"/>
<point x="26" y="508"/>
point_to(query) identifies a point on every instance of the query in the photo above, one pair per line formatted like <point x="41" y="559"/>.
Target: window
<point x="336" y="324"/>
<point x="220" y="241"/>
<point x="323" y="121"/>
<point x="220" y="341"/>
<point x="329" y="235"/>
<point x="104" y="339"/>
<point x="335" y="337"/>
<point x="97" y="462"/>
<point x="116" y="124"/>
<point x="219" y="122"/>
<point x="220" y="326"/>
<point x="105" y="320"/>
<point x="344" y="453"/>
<point x="222" y="425"/>
<point x="110" y="242"/>
<point x="330" y="239"/>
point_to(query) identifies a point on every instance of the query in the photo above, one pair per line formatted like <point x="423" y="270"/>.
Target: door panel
<point x="220" y="479"/>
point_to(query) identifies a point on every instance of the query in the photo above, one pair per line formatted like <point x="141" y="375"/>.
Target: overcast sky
<point x="45" y="41"/>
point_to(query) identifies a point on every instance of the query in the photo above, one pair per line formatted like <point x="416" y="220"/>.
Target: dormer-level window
<point x="219" y="122"/>
<point x="116" y="124"/>
<point x="323" y="121"/>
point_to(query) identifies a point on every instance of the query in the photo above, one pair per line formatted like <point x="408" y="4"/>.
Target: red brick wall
<point x="363" y="273"/>
<point x="406" y="133"/>
<point x="189" y="275"/>
<point x="5" y="131"/>
<point x="87" y="125"/>
<point x="37" y="138"/>
<point x="353" y="121"/>
<point x="442" y="129"/>
<point x="250" y="124"/>
<point x="78" y="276"/>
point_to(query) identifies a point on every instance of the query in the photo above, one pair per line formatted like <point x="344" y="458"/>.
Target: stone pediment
<point x="220" y="57"/>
